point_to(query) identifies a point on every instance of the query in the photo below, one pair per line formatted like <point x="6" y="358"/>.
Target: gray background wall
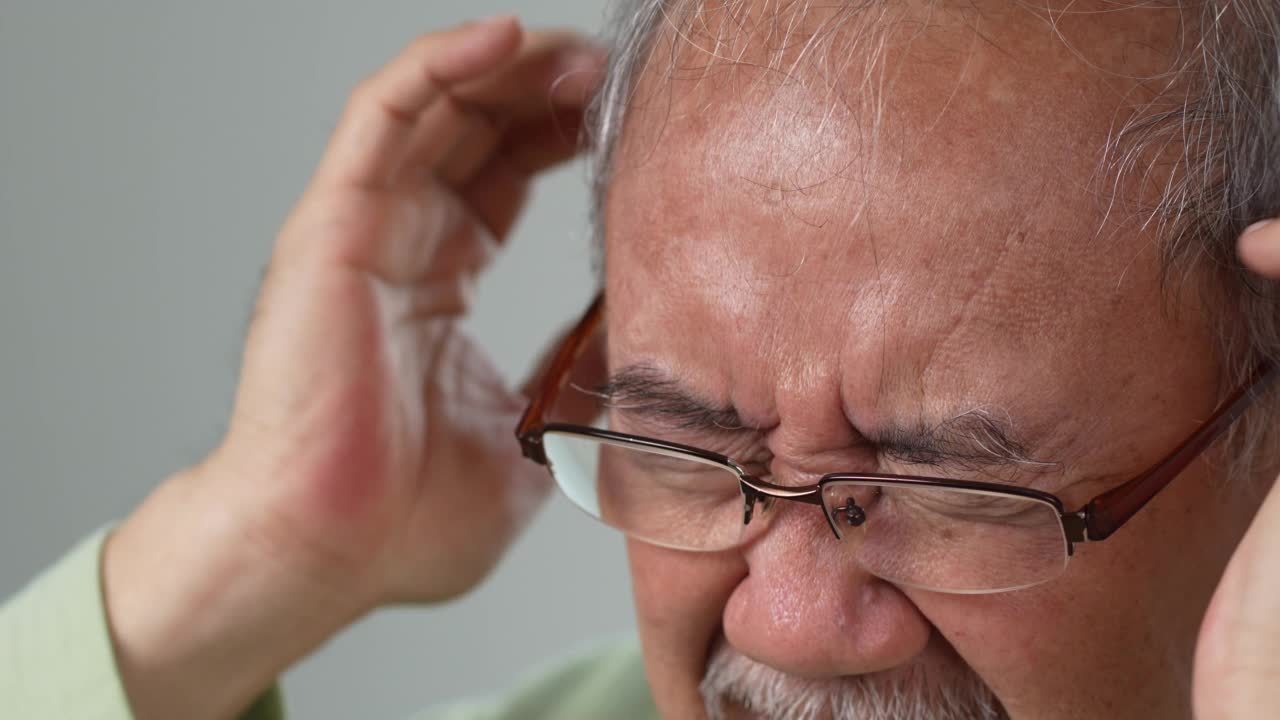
<point x="148" y="153"/>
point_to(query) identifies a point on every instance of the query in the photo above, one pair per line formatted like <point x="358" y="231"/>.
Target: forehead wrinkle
<point x="939" y="373"/>
<point x="1009" y="312"/>
<point x="969" y="161"/>
<point x="787" y="91"/>
<point x="785" y="360"/>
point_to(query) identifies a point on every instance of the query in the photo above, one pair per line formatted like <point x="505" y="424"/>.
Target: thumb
<point x="1259" y="248"/>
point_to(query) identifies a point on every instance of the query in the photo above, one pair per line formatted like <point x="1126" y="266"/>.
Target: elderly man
<point x="909" y="307"/>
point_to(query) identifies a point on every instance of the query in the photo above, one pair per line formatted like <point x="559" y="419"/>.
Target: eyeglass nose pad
<point x="749" y="500"/>
<point x="851" y="513"/>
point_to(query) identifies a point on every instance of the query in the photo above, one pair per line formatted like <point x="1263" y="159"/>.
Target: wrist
<point x="205" y="610"/>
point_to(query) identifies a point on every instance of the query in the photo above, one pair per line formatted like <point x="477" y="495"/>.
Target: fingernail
<point x="1257" y="226"/>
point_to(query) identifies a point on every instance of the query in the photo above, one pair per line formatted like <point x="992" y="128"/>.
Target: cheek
<point x="1118" y="629"/>
<point x="679" y="601"/>
<point x="1009" y="639"/>
<point x="1085" y="641"/>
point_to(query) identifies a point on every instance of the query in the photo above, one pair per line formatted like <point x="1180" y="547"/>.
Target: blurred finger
<point x="524" y="87"/>
<point x="383" y="111"/>
<point x="553" y="73"/>
<point x="463" y="160"/>
<point x="497" y="191"/>
<point x="442" y="128"/>
<point x="1259" y="248"/>
<point x="496" y="195"/>
<point x="530" y="147"/>
<point x="542" y="145"/>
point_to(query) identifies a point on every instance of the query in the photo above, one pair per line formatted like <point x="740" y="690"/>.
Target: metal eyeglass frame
<point x="1096" y="520"/>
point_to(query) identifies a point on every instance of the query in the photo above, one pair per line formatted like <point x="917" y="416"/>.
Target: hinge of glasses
<point x="531" y="447"/>
<point x="749" y="499"/>
<point x="1077" y="526"/>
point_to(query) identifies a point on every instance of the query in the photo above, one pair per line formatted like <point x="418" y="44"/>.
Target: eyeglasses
<point x="935" y="534"/>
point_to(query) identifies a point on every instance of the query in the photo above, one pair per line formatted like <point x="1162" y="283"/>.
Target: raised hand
<point x="1237" y="666"/>
<point x="385" y="432"/>
<point x="370" y="456"/>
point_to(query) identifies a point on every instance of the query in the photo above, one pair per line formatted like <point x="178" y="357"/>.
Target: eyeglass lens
<point x="924" y="536"/>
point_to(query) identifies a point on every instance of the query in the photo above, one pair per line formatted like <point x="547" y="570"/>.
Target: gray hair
<point x="909" y="693"/>
<point x="1220" y="105"/>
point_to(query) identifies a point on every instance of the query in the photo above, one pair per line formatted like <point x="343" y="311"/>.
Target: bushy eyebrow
<point x="972" y="440"/>
<point x="645" y="391"/>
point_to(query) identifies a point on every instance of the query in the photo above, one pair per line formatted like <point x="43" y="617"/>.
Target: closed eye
<point x="965" y="505"/>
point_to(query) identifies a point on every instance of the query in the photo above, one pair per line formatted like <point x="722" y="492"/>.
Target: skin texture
<point x="769" y="253"/>
<point x="369" y="458"/>
<point x="761" y="255"/>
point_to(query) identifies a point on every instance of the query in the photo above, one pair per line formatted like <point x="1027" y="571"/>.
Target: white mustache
<point x="907" y="694"/>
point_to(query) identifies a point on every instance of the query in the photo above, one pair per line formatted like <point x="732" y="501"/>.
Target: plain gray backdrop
<point x="148" y="153"/>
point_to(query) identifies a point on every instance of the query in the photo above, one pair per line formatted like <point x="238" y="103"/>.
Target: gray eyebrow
<point x="644" y="390"/>
<point x="972" y="440"/>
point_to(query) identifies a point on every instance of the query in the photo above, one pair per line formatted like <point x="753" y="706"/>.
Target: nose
<point x="807" y="608"/>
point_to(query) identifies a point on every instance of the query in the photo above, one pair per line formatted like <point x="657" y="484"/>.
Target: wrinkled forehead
<point x="933" y="116"/>
<point x="925" y="179"/>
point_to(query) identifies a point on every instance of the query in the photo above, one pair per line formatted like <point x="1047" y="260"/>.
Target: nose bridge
<point x="847" y="506"/>
<point x="766" y="494"/>
<point x="803" y="493"/>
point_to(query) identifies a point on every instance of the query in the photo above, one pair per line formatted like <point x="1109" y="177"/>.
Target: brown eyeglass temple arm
<point x="1101" y="517"/>
<point x="552" y="381"/>
<point x="1107" y="512"/>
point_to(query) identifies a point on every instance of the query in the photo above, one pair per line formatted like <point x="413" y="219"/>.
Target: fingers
<point x="497" y="190"/>
<point x="382" y="113"/>
<point x="552" y="75"/>
<point x="446" y="100"/>
<point x="544" y="60"/>
<point x="1259" y="248"/>
<point x="471" y="113"/>
<point x="543" y="144"/>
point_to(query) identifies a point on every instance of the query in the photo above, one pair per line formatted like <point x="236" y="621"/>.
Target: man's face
<point x="887" y="230"/>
